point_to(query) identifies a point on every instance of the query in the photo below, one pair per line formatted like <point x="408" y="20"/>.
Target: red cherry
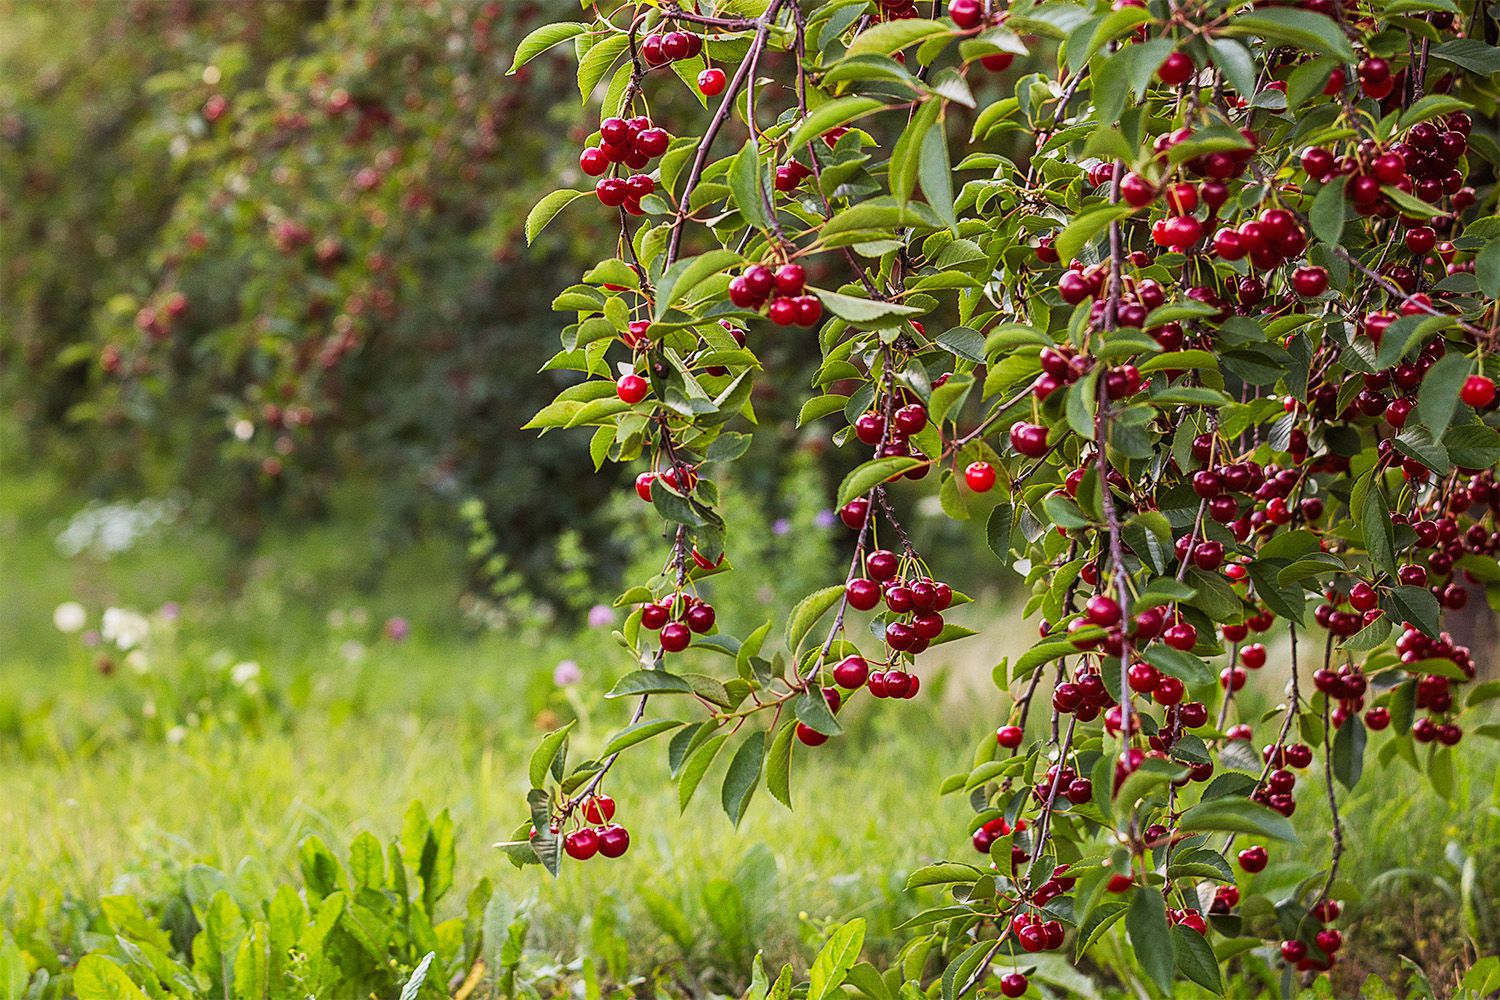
<point x="980" y="477"/>
<point x="598" y="808"/>
<point x="675" y="637"/>
<point x="966" y="13"/>
<point x="581" y="844"/>
<point x="632" y="388"/>
<point x="851" y="672"/>
<point x="1013" y="984"/>
<point x="1478" y="391"/>
<point x="790" y="278"/>
<point x="613" y="841"/>
<point x="1176" y="68"/>
<point x="1029" y="439"/>
<point x="711" y="81"/>
<point x="1253" y="859"/>
<point x="1010" y="737"/>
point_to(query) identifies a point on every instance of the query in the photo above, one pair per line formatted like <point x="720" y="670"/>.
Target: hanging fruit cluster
<point x="1216" y="286"/>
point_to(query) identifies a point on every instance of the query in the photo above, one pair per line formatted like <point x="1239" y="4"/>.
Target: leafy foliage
<point x="1198" y="435"/>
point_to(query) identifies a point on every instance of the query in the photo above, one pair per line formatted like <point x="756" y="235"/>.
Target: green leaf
<point x="747" y="185"/>
<point x="1327" y="213"/>
<point x="906" y="157"/>
<point x="860" y="311"/>
<point x="638" y="733"/>
<point x="1375" y="523"/>
<point x="597" y="61"/>
<point x="546" y="210"/>
<point x="865" y="477"/>
<point x="942" y="873"/>
<point x="807" y="612"/>
<point x="1085" y="226"/>
<point x="839" y="111"/>
<point x="1301" y="29"/>
<point x="1238" y="815"/>
<point x="1473" y="446"/>
<point x="97" y="978"/>
<point x="1471" y="54"/>
<point x="1438" y="398"/>
<point x="545" y="753"/>
<point x="696" y="766"/>
<point x="820" y="406"/>
<point x="1196" y="960"/>
<point x="835" y="959"/>
<point x="1234" y="61"/>
<point x="1487" y="269"/>
<point x="1150" y="936"/>
<point x="542" y="39"/>
<point x="1418" y="606"/>
<point x="649" y="682"/>
<point x="743" y="776"/>
<point x="892" y="36"/>
<point x="936" y="175"/>
<point x="1410" y="204"/>
<point x="779" y="764"/>
<point x="685" y="275"/>
<point x="1349" y="751"/>
<point x="418" y="977"/>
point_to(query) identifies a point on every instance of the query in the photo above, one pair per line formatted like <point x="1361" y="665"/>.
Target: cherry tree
<point x="1201" y="291"/>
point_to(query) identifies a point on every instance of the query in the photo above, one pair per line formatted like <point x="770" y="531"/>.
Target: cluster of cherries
<point x="1424" y="164"/>
<point x="603" y="836"/>
<point x="783" y="288"/>
<point x="921" y="601"/>
<point x="870" y="428"/>
<point x="661" y="48"/>
<point x="677" y="619"/>
<point x="645" y="479"/>
<point x="1276" y="791"/>
<point x="1329" y="940"/>
<point x="634" y="142"/>
<point x="1434" y="691"/>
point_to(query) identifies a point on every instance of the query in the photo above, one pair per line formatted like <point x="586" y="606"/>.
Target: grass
<point x="120" y="783"/>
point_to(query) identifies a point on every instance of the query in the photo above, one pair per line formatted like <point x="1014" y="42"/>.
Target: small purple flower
<point x="171" y="611"/>
<point x="92" y="638"/>
<point x="825" y="519"/>
<point x="781" y="526"/>
<point x="566" y="673"/>
<point x="601" y="616"/>
<point x="397" y="628"/>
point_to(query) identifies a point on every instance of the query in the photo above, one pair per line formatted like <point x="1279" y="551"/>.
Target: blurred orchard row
<point x="258" y="251"/>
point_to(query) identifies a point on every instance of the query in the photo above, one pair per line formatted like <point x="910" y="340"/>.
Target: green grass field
<point x="120" y="783"/>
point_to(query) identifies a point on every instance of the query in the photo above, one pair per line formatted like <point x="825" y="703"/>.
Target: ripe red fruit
<point x="581" y="844"/>
<point x="1181" y="636"/>
<point x="997" y="62"/>
<point x="1013" y="984"/>
<point x="632" y="388"/>
<point x="980" y="477"/>
<point x="1136" y="190"/>
<point x="1010" y="737"/>
<point x="1293" y="951"/>
<point x="966" y="13"/>
<point x="1176" y="68"/>
<point x="700" y="618"/>
<point x="598" y="808"/>
<point x="1478" y="391"/>
<point x="911" y="419"/>
<point x="1253" y="859"/>
<point x="593" y="162"/>
<point x="1029" y="439"/>
<point x="711" y="81"/>
<point x="611" y="191"/>
<point x="675" y="637"/>
<point x="810" y="736"/>
<point x="881" y="564"/>
<point x="613" y="841"/>
<point x="790" y="278"/>
<point x="863" y="594"/>
<point x="643" y="485"/>
<point x="851" y="672"/>
<point x="1103" y="610"/>
<point x="783" y="312"/>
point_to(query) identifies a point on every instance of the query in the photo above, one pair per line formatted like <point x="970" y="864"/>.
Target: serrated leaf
<point x="1237" y="815"/>
<point x="743" y="776"/>
<point x="542" y="39"/>
<point x="865" y="477"/>
<point x="696" y="766"/>
<point x="779" y="764"/>
<point x="835" y="959"/>
<point x="546" y="210"/>
<point x="839" y="111"/>
<point x="542" y="756"/>
<point x="649" y="682"/>
<point x="638" y="733"/>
